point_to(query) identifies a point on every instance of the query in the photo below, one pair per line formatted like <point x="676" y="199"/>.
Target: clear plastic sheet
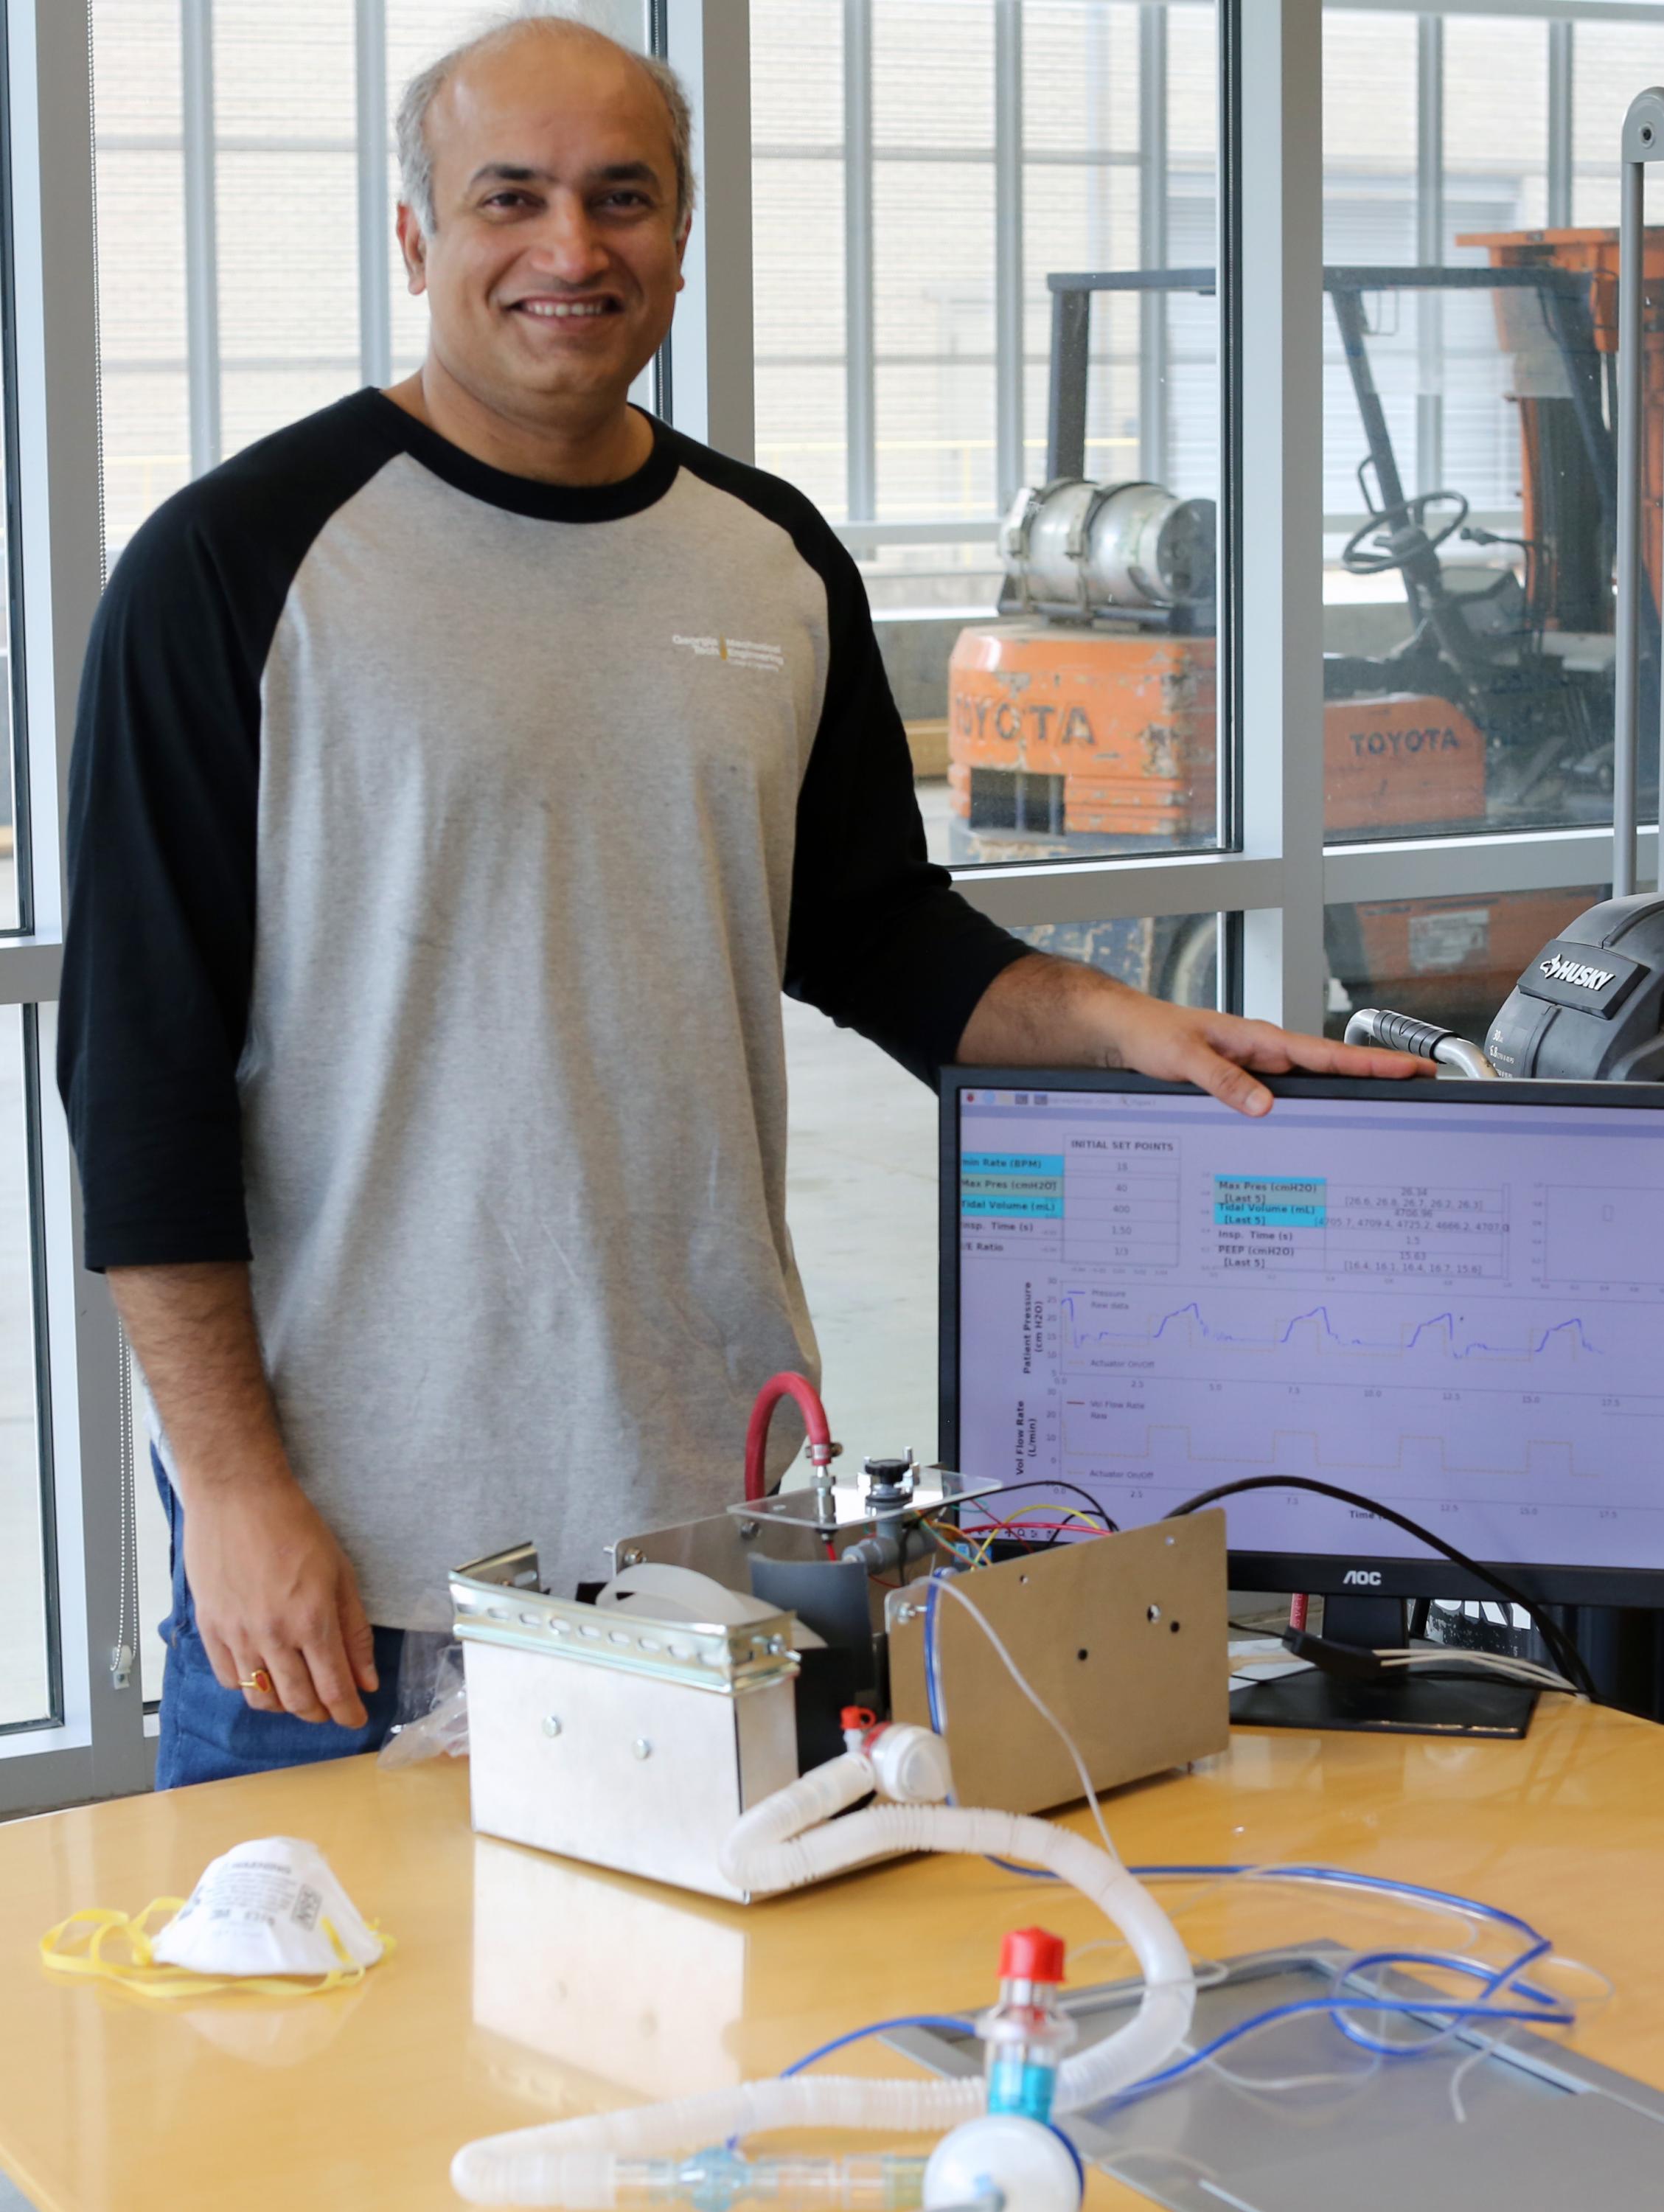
<point x="432" y="1703"/>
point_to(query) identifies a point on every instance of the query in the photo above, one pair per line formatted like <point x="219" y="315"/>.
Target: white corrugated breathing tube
<point x="788" y="1841"/>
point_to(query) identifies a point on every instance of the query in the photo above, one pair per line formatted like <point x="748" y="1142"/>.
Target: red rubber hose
<point x="756" y="1435"/>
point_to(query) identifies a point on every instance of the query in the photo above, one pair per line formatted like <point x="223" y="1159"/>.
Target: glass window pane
<point x="1100" y="712"/>
<point x="1470" y="465"/>
<point x="25" y="1655"/>
<point x="862" y="1185"/>
<point x="1614" y="62"/>
<point x="140" y="169"/>
<point x="285" y="108"/>
<point x="1449" y="960"/>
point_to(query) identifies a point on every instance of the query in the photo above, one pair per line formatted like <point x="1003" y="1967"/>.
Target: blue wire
<point x="949" y="2021"/>
<point x="1493" y="1978"/>
<point x="1541" y="2008"/>
<point x="1335" y="2005"/>
<point x="1343" y="1878"/>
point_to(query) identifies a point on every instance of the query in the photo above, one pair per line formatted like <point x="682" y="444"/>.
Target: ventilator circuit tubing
<point x="788" y="1841"/>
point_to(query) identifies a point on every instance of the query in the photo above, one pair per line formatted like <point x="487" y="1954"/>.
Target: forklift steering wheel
<point x="1357" y="563"/>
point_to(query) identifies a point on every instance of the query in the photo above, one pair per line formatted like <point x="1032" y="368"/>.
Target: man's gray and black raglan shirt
<point x="440" y="843"/>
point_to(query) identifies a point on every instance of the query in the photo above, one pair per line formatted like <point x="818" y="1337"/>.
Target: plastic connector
<point x="1028" y="2167"/>
<point x="910" y="1765"/>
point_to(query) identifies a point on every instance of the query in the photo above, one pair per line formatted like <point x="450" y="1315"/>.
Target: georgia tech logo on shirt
<point x="1559" y="970"/>
<point x="743" y="652"/>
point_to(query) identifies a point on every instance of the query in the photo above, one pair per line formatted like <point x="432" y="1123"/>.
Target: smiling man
<point x="460" y="775"/>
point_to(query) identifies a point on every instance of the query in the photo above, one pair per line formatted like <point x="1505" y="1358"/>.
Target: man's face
<point x="555" y="260"/>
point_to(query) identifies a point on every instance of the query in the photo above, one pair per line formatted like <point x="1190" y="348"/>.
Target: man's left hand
<point x="1221" y="1053"/>
<point x="1046" y="1013"/>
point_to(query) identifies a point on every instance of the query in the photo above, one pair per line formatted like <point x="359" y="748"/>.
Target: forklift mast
<point x="1565" y="282"/>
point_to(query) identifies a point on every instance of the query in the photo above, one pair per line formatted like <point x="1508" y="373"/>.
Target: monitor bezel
<point x="1315" y="1572"/>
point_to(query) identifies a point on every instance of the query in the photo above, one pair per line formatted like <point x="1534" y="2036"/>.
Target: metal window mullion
<point x="1430" y="249"/>
<point x="1279" y="642"/>
<point x="1153" y="249"/>
<point x="1641" y="143"/>
<point x="1630" y="12"/>
<point x="1076" y="891"/>
<point x="202" y="271"/>
<point x="375" y="334"/>
<point x="1482" y="866"/>
<point x="711" y="345"/>
<point x="29" y="968"/>
<point x="1008" y="319"/>
<point x="1561" y="68"/>
<point x="101" y="1747"/>
<point x="859" y="317"/>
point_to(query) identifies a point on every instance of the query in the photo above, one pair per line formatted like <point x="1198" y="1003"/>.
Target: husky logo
<point x="1370" y="1576"/>
<point x="1578" y="973"/>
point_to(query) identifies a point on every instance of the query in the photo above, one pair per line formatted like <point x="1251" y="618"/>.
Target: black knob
<point x="887" y="1479"/>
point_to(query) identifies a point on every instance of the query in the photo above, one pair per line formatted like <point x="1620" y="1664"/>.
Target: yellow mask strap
<point x="77" y="1947"/>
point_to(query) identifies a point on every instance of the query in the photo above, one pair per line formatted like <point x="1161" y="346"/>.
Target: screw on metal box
<point x="749" y="1530"/>
<point x="631" y="1555"/>
<point x="641" y="1747"/>
<point x="551" y="1724"/>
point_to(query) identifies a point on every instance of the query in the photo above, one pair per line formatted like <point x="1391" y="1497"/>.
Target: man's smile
<point x="565" y="310"/>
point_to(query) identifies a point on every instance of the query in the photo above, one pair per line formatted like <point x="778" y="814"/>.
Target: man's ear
<point x="685" y="234"/>
<point x="414" y="247"/>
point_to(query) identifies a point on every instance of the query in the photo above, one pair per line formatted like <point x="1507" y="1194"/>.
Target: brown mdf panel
<point x="1123" y="1637"/>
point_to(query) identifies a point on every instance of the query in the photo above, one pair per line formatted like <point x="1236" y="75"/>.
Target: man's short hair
<point x="416" y="155"/>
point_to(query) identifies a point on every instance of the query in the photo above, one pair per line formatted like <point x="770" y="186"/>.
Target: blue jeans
<point x="208" y="1734"/>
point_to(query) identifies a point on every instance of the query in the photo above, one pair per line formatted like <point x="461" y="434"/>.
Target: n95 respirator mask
<point x="268" y="1916"/>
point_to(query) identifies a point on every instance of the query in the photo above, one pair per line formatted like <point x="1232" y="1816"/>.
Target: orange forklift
<point x="1082" y="719"/>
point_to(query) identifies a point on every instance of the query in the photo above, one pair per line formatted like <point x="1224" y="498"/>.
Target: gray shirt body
<point x="534" y="841"/>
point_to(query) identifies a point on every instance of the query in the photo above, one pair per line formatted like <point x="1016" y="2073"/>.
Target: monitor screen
<point x="1446" y="1296"/>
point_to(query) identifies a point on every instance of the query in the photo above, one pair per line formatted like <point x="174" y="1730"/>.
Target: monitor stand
<point x="1408" y="1703"/>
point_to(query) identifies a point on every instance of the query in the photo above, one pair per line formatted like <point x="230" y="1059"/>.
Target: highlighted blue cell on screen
<point x="1270" y="1202"/>
<point x="1017" y="1206"/>
<point x="1024" y="1185"/>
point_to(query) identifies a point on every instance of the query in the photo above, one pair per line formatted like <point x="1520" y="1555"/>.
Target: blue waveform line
<point x="1446" y="1322"/>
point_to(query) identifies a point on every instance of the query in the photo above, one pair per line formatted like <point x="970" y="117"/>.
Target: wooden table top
<point x="526" y="1987"/>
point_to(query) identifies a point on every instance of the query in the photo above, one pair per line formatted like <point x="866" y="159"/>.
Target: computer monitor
<point x="1448" y="1297"/>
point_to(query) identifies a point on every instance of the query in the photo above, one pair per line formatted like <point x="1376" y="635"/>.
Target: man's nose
<point x="567" y="244"/>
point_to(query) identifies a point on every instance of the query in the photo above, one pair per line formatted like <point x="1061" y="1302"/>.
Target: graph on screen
<point x="1458" y="1311"/>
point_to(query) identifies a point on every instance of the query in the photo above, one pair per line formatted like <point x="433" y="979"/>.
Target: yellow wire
<point x="1025" y="1512"/>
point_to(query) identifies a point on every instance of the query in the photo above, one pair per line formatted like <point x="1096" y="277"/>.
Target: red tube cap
<point x="1031" y="1954"/>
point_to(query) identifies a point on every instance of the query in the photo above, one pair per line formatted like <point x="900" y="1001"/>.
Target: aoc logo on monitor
<point x="1369" y="1577"/>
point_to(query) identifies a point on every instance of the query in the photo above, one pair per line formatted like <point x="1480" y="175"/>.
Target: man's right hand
<point x="273" y="1589"/>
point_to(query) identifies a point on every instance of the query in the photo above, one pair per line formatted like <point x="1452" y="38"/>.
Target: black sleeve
<point x="879" y="939"/>
<point x="159" y="942"/>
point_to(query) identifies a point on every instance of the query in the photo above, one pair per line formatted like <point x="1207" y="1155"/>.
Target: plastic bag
<point x="432" y="1703"/>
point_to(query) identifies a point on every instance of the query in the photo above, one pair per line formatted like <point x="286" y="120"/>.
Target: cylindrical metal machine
<point x="1082" y="549"/>
<point x="1590" y="1007"/>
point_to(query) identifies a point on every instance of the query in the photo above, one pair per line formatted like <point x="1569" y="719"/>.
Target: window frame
<point x="1272" y="869"/>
